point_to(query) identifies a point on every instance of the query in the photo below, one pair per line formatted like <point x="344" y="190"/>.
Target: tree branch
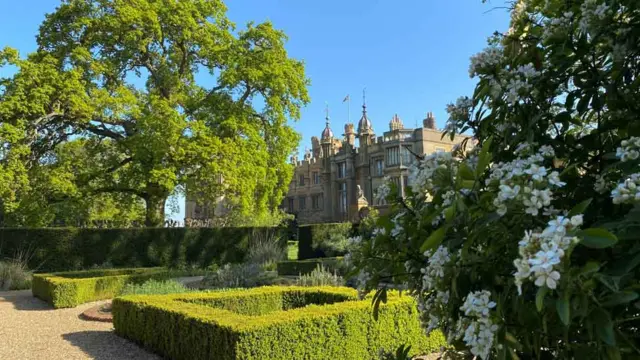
<point x="103" y="132"/>
<point x="108" y="189"/>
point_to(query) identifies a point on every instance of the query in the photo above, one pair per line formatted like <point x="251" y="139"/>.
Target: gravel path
<point x="32" y="329"/>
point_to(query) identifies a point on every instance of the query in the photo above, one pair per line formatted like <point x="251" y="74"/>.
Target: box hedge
<point x="323" y="240"/>
<point x="63" y="249"/>
<point x="275" y="323"/>
<point x="70" y="289"/>
<point x="302" y="267"/>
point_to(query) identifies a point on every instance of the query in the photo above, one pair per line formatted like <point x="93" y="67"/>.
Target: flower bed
<point x="303" y="267"/>
<point x="270" y="323"/>
<point x="70" y="289"/>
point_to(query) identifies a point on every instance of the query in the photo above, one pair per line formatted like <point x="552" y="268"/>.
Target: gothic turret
<point x="429" y="122"/>
<point x="396" y="123"/>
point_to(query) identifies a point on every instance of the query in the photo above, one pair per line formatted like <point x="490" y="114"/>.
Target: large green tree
<point x="167" y="95"/>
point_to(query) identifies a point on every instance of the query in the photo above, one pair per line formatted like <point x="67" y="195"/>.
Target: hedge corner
<point x="275" y="323"/>
<point x="70" y="289"/>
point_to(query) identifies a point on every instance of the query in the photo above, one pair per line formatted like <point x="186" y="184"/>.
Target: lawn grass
<point x="292" y="250"/>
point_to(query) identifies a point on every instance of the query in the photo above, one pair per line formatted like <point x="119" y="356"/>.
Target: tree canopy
<point x="152" y="97"/>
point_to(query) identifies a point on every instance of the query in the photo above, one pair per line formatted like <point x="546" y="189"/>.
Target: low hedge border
<point x="274" y="323"/>
<point x="303" y="267"/>
<point x="70" y="289"/>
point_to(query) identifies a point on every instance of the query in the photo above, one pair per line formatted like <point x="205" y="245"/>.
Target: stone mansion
<point x="336" y="178"/>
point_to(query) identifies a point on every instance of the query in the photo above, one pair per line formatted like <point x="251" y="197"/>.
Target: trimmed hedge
<point x="323" y="240"/>
<point x="70" y="289"/>
<point x="63" y="249"/>
<point x="275" y="323"/>
<point x="303" y="267"/>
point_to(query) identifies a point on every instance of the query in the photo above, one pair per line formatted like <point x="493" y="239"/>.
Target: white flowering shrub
<point x="526" y="246"/>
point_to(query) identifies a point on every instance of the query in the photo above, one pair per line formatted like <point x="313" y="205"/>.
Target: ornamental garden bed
<point x="271" y="323"/>
<point x="303" y="267"/>
<point x="70" y="289"/>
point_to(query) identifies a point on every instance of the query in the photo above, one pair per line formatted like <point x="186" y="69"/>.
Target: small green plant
<point x="14" y="275"/>
<point x="154" y="287"/>
<point x="320" y="277"/>
<point x="239" y="275"/>
<point x="267" y="248"/>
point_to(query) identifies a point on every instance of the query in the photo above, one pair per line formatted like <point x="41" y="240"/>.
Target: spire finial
<point x="326" y="110"/>
<point x="364" y="100"/>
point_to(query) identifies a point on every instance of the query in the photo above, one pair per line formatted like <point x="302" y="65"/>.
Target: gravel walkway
<point x="32" y="329"/>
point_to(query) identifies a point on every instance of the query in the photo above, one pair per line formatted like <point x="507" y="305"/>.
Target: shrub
<point x="14" y="275"/>
<point x="266" y="248"/>
<point x="238" y="275"/>
<point x="70" y="289"/>
<point x="270" y="323"/>
<point x="63" y="249"/>
<point x="323" y="240"/>
<point x="320" y="277"/>
<point x="303" y="267"/>
<point x="526" y="246"/>
<point x="154" y="287"/>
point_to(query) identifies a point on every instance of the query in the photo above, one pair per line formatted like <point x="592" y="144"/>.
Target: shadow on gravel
<point x="24" y="300"/>
<point x="106" y="345"/>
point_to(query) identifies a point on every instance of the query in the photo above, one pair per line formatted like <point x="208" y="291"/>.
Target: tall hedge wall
<point x="323" y="240"/>
<point x="63" y="249"/>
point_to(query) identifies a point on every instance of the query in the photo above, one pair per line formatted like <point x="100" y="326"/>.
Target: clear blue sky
<point x="412" y="56"/>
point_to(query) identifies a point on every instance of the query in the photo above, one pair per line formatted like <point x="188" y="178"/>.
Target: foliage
<point x="526" y="245"/>
<point x="155" y="96"/>
<point x="267" y="248"/>
<point x="320" y="277"/>
<point x="14" y="275"/>
<point x="70" y="289"/>
<point x="269" y="323"/>
<point x="292" y="250"/>
<point x="303" y="267"/>
<point x="243" y="275"/>
<point x="154" y="287"/>
<point x="322" y="240"/>
<point x="64" y="249"/>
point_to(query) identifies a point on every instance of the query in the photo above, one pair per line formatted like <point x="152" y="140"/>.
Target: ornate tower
<point x="396" y="123"/>
<point x="365" y="130"/>
<point x="326" y="139"/>
<point x="429" y="122"/>
<point x="349" y="134"/>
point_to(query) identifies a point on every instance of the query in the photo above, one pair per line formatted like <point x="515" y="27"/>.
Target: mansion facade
<point x="336" y="179"/>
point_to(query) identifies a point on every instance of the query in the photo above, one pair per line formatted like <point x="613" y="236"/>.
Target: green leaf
<point x="379" y="297"/>
<point x="484" y="158"/>
<point x="613" y="353"/>
<point x="583" y="103"/>
<point x="434" y="240"/>
<point x="562" y="307"/>
<point x="619" y="298"/>
<point x="468" y="184"/>
<point x="580" y="208"/>
<point x="590" y="267"/>
<point x="542" y="292"/>
<point x="465" y="171"/>
<point x="512" y="341"/>
<point x="450" y="212"/>
<point x="597" y="238"/>
<point x="604" y="326"/>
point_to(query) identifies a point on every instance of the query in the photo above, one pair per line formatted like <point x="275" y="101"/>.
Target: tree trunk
<point x="155" y="211"/>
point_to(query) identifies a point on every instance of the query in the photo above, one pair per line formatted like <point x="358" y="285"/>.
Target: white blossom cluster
<point x="435" y="268"/>
<point x="519" y="83"/>
<point x="397" y="226"/>
<point x="354" y="241"/>
<point x="592" y="12"/>
<point x="526" y="181"/>
<point x="628" y="191"/>
<point x="476" y="325"/>
<point x="629" y="149"/>
<point x="542" y="252"/>
<point x="420" y="173"/>
<point x="558" y="26"/>
<point x="448" y="197"/>
<point x="489" y="57"/>
<point x="600" y="185"/>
